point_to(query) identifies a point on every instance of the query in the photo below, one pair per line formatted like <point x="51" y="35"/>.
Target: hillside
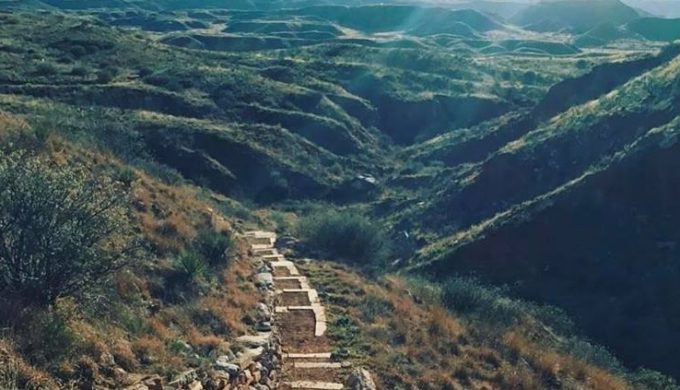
<point x="466" y="196"/>
<point x="656" y="29"/>
<point x="578" y="15"/>
<point x="581" y="167"/>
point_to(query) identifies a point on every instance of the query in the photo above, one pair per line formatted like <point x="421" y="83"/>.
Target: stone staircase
<point x="300" y="322"/>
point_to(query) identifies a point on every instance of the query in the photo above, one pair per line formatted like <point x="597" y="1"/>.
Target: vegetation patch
<point x="345" y="236"/>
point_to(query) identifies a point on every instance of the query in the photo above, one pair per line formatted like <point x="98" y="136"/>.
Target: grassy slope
<point x="602" y="147"/>
<point x="206" y="314"/>
<point x="399" y="329"/>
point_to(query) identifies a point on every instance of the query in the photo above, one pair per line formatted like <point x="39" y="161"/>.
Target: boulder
<point x="360" y="379"/>
<point x="255" y="341"/>
<point x="263" y="312"/>
<point x="222" y="363"/>
<point x="285" y="242"/>
<point x="264" y="279"/>
<point x="154" y="383"/>
<point x="195" y="385"/>
<point x="264" y="326"/>
<point x="184" y="378"/>
<point x="106" y="359"/>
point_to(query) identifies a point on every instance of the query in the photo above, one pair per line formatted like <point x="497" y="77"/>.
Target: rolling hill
<point x="578" y="15"/>
<point x="521" y="179"/>
<point x="603" y="169"/>
<point x="656" y="29"/>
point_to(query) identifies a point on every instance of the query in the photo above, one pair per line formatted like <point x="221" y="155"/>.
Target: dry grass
<point x="419" y="344"/>
<point x="15" y="373"/>
<point x="168" y="218"/>
<point x="554" y="366"/>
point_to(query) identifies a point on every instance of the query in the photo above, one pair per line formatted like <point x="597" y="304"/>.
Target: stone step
<point x="316" y="355"/>
<point x="269" y="251"/>
<point x="319" y="316"/>
<point x="312" y="295"/>
<point x="261" y="239"/>
<point x="302" y="280"/>
<point x="329" y="365"/>
<point x="275" y="257"/>
<point x="289" y="265"/>
<point x="311" y="385"/>
<point x="259" y="247"/>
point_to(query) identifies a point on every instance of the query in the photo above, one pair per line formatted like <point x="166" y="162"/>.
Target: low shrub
<point x="374" y="307"/>
<point x="348" y="236"/>
<point x="654" y="380"/>
<point x="48" y="338"/>
<point x="46" y="69"/>
<point x="106" y="75"/>
<point x="190" y="265"/>
<point x="79" y="71"/>
<point x="491" y="305"/>
<point x="92" y="238"/>
<point x="213" y="245"/>
<point x="9" y="369"/>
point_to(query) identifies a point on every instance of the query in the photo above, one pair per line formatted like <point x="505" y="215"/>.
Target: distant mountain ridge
<point x="578" y="15"/>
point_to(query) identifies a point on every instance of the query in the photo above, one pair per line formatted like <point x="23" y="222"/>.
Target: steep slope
<point x="571" y="141"/>
<point x="578" y="15"/>
<point x="606" y="170"/>
<point x="610" y="261"/>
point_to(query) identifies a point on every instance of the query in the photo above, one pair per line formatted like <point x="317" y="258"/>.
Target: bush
<point x="465" y="295"/>
<point x="654" y="380"/>
<point x="9" y="368"/>
<point x="190" y="265"/>
<point x="46" y="69"/>
<point x="468" y="296"/>
<point x="345" y="236"/>
<point x="48" y="336"/>
<point x="62" y="228"/>
<point x="106" y="75"/>
<point x="79" y="71"/>
<point x="212" y="245"/>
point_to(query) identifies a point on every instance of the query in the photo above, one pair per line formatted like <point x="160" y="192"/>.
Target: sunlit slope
<point x="579" y="15"/>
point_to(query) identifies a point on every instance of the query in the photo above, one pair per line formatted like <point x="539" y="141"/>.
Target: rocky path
<point x="300" y="322"/>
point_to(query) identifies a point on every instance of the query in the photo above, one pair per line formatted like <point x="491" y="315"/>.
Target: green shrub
<point x="468" y="296"/>
<point x="9" y="369"/>
<point x="373" y="307"/>
<point x="190" y="265"/>
<point x="212" y="245"/>
<point x="126" y="176"/>
<point x="654" y="380"/>
<point x="46" y="69"/>
<point x="79" y="71"/>
<point x="345" y="236"/>
<point x="48" y="337"/>
<point x="106" y="75"/>
<point x="77" y="225"/>
<point x="464" y="295"/>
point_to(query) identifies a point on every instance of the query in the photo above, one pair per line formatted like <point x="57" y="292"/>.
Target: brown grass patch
<point x="420" y="344"/>
<point x="553" y="366"/>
